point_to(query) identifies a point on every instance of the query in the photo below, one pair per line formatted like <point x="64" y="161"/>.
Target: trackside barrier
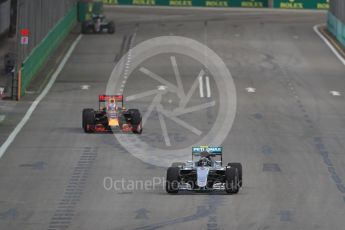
<point x="207" y="3"/>
<point x="336" y="27"/>
<point x="42" y="51"/>
<point x="302" y="4"/>
<point x="284" y="4"/>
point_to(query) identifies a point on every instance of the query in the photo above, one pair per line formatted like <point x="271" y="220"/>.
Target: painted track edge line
<point x="336" y="53"/>
<point x="34" y="104"/>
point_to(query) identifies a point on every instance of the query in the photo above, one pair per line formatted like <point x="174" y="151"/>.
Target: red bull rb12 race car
<point x="111" y="117"/>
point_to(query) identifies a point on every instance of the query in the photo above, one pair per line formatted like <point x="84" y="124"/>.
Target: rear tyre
<point x="231" y="180"/>
<point x="84" y="28"/>
<point x="239" y="169"/>
<point x="111" y="28"/>
<point x="173" y="180"/>
<point x="88" y="120"/>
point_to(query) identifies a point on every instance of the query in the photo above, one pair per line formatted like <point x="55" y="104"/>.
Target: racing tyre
<point x="138" y="129"/>
<point x="178" y="164"/>
<point x="84" y="28"/>
<point x="173" y="180"/>
<point x="135" y="119"/>
<point x="231" y="180"/>
<point x="239" y="169"/>
<point x="111" y="28"/>
<point x="88" y="119"/>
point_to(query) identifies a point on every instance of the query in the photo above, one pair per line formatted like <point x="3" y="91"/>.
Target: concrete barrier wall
<point x="337" y="9"/>
<point x="336" y="20"/>
<point x="43" y="50"/>
<point x="336" y="27"/>
<point x="5" y="13"/>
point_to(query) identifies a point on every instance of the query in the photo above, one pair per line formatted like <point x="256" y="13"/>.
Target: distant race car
<point x="112" y="116"/>
<point x="204" y="173"/>
<point x="98" y="24"/>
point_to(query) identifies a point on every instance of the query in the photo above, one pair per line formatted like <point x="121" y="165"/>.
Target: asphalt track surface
<point x="288" y="134"/>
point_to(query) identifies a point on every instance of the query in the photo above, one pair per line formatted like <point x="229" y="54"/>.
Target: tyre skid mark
<point x="65" y="212"/>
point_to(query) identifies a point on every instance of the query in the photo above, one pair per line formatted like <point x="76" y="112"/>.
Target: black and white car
<point x="204" y="172"/>
<point x="98" y="24"/>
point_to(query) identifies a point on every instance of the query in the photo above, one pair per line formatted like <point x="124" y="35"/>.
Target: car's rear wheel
<point x="231" y="180"/>
<point x="239" y="169"/>
<point x="173" y="180"/>
<point x="84" y="28"/>
<point x="88" y="120"/>
<point x="111" y="28"/>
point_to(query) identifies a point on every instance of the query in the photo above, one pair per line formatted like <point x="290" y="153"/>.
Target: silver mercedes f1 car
<point x="204" y="173"/>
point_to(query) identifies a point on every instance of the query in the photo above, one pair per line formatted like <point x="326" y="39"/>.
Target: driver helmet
<point x="204" y="161"/>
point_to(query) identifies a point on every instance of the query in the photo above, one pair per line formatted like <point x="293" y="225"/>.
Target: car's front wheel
<point x="173" y="180"/>
<point x="231" y="180"/>
<point x="111" y="28"/>
<point x="88" y="120"/>
<point x="239" y="169"/>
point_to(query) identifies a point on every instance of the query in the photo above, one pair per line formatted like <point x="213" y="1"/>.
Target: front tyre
<point x="173" y="180"/>
<point x="231" y="180"/>
<point x="111" y="28"/>
<point x="239" y="169"/>
<point x="88" y="120"/>
<point x="84" y="27"/>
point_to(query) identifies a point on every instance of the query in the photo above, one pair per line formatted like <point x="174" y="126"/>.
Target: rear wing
<point x="103" y="100"/>
<point x="213" y="151"/>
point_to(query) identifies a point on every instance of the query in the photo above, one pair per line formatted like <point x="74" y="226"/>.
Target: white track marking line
<point x="201" y="87"/>
<point x="316" y="29"/>
<point x="251" y="90"/>
<point x="335" y="93"/>
<point x="34" y="104"/>
<point x="85" y="87"/>
<point x="162" y="88"/>
<point x="208" y="88"/>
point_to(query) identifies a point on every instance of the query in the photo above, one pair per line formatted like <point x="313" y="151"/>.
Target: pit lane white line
<point x="34" y="104"/>
<point x="316" y="29"/>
